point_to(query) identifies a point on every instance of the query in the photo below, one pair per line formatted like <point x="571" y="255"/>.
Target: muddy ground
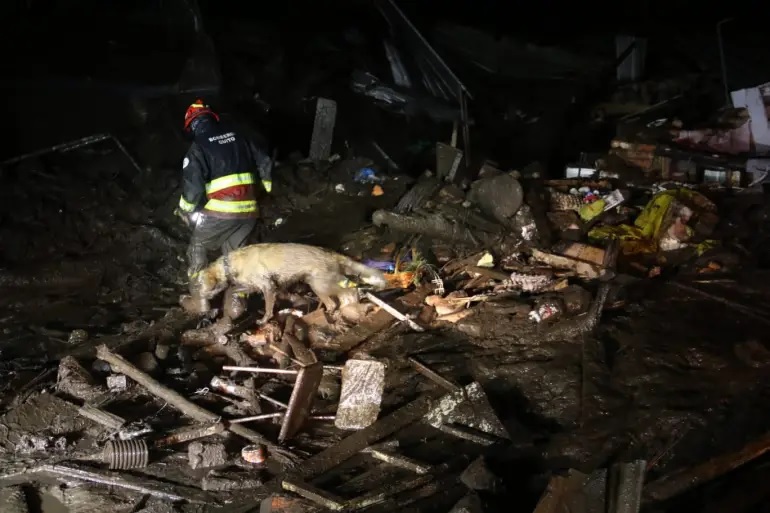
<point x="90" y="252"/>
<point x="667" y="377"/>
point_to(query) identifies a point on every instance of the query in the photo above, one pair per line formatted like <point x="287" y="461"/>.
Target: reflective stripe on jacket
<point x="209" y="180"/>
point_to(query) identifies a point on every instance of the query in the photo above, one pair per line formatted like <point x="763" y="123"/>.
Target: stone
<point x="477" y="476"/>
<point x="162" y="351"/>
<point x="117" y="382"/>
<point x="147" y="362"/>
<point x="206" y="455"/>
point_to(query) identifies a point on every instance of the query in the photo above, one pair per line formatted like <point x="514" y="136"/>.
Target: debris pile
<point x="521" y="348"/>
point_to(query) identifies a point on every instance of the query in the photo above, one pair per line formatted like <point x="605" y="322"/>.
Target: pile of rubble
<point x="477" y="361"/>
<point x="290" y="411"/>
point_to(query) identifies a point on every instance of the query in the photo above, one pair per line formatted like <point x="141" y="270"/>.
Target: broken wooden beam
<point x="433" y="375"/>
<point x="360" y="440"/>
<point x="383" y="493"/>
<point x="106" y="419"/>
<point x="187" y="407"/>
<point x="682" y="480"/>
<point x="624" y="490"/>
<point x="561" y="491"/>
<point x="398" y="460"/>
<point x="743" y="309"/>
<point x="311" y="493"/>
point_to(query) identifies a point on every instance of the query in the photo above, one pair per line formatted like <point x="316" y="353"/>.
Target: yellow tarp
<point x="649" y="227"/>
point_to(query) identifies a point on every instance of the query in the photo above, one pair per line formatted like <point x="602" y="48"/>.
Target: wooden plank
<point x="311" y="493"/>
<point x="433" y="375"/>
<point x="360" y="440"/>
<point x="678" y="482"/>
<point x="301" y="401"/>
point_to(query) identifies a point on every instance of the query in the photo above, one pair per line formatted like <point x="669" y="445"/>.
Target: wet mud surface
<point x="670" y="377"/>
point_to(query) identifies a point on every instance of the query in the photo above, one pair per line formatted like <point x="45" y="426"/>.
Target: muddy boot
<point x="234" y="304"/>
<point x="194" y="303"/>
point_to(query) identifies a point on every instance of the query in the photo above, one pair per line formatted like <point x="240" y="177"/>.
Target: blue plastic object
<point x="367" y="175"/>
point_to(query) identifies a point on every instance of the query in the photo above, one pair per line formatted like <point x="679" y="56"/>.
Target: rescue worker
<point x="218" y="202"/>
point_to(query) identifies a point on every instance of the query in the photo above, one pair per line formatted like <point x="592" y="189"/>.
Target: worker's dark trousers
<point x="213" y="233"/>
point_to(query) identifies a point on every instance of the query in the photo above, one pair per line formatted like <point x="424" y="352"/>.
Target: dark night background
<point x="66" y="61"/>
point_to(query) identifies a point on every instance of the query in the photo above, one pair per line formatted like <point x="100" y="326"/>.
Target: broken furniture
<point x="302" y="396"/>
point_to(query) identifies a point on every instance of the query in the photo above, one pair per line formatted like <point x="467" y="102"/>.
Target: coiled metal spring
<point x="126" y="454"/>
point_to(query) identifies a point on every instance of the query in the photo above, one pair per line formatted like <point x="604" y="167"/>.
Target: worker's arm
<point x="193" y="181"/>
<point x="264" y="165"/>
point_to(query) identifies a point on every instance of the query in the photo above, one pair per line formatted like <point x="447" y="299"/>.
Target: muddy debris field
<point x="579" y="327"/>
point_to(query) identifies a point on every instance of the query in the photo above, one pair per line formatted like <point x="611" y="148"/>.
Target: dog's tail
<point x="368" y="275"/>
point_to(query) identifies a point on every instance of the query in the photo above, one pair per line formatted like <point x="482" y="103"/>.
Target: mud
<point x="90" y="244"/>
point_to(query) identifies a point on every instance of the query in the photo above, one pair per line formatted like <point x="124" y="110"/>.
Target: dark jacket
<point x="220" y="171"/>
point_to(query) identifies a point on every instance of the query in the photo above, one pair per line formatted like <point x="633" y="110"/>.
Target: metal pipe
<point x="259" y="369"/>
<point x="723" y="60"/>
<point x="264" y="416"/>
<point x="275" y="402"/>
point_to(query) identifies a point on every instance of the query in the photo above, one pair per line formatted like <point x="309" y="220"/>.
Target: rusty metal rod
<point x="265" y="370"/>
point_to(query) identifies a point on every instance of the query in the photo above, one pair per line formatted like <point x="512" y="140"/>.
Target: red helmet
<point x="198" y="108"/>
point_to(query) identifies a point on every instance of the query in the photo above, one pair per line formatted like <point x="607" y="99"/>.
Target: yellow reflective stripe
<point x="223" y="182"/>
<point x="185" y="205"/>
<point x="347" y="284"/>
<point x="268" y="185"/>
<point x="233" y="207"/>
<point x="196" y="105"/>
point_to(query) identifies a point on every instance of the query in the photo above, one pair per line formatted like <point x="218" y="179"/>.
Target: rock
<point x="477" y="476"/>
<point x="162" y="351"/>
<point x="206" y="455"/>
<point x="147" y="362"/>
<point x="29" y="444"/>
<point x="471" y="503"/>
<point x="101" y="366"/>
<point x="78" y="336"/>
<point x="216" y="482"/>
<point x="117" y="382"/>
<point x="498" y="196"/>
